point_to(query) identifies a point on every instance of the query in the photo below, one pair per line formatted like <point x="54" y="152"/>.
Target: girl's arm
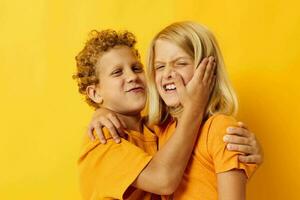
<point x="232" y="185"/>
<point x="164" y="172"/>
<point x="232" y="174"/>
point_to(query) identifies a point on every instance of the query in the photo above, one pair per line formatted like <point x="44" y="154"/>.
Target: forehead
<point x="117" y="56"/>
<point x="168" y="50"/>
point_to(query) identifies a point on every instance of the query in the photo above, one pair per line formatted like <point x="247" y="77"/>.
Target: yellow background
<point x="43" y="118"/>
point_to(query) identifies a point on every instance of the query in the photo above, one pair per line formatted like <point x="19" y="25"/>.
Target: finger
<point x="242" y="125"/>
<point x="123" y="124"/>
<point x="238" y="131"/>
<point x="100" y="134"/>
<point x="234" y="139"/>
<point x="212" y="83"/>
<point x="116" y="122"/>
<point x="201" y="69"/>
<point x="212" y="74"/>
<point x="209" y="70"/>
<point x="240" y="148"/>
<point x="180" y="87"/>
<point x="212" y="78"/>
<point x="255" y="145"/>
<point x="112" y="130"/>
<point x="90" y="133"/>
<point x="255" y="159"/>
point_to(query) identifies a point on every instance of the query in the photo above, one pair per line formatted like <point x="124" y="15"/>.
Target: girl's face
<point x="169" y="57"/>
<point x="122" y="81"/>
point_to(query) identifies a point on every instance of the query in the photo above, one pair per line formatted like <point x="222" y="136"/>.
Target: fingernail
<point x="226" y="138"/>
<point x="230" y="129"/>
<point x="102" y="141"/>
<point x="229" y="146"/>
<point x="118" y="140"/>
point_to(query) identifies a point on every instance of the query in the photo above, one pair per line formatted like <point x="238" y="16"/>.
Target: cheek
<point x="187" y="75"/>
<point x="142" y="78"/>
<point x="157" y="80"/>
<point x="114" y="85"/>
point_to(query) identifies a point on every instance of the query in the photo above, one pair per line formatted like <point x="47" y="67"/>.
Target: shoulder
<point x="218" y="123"/>
<point x="220" y="119"/>
<point x="96" y="149"/>
<point x="214" y="129"/>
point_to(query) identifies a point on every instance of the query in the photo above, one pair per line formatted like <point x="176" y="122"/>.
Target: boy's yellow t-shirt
<point x="106" y="171"/>
<point x="209" y="157"/>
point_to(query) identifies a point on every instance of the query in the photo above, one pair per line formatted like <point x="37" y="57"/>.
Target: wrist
<point x="193" y="113"/>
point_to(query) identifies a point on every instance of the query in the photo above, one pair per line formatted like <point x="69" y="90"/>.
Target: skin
<point x="171" y="58"/>
<point x="120" y="78"/>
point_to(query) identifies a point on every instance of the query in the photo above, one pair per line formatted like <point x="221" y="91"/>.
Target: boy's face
<point x="122" y="83"/>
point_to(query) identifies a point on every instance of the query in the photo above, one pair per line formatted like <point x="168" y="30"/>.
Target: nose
<point x="167" y="73"/>
<point x="131" y="76"/>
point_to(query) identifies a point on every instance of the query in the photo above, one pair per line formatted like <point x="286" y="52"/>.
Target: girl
<point x="213" y="172"/>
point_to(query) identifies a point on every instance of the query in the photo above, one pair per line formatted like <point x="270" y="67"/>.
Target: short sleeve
<point x="108" y="170"/>
<point x="225" y="160"/>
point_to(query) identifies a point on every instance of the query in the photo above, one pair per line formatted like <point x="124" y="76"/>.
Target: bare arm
<point x="232" y="185"/>
<point x="165" y="170"/>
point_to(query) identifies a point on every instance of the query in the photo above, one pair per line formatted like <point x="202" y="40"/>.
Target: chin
<point x="134" y="111"/>
<point x="137" y="107"/>
<point x="172" y="102"/>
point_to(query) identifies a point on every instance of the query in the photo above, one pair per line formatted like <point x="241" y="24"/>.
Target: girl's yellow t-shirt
<point x="106" y="171"/>
<point x="209" y="157"/>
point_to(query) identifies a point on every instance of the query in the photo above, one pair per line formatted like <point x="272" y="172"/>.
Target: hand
<point x="242" y="140"/>
<point x="197" y="92"/>
<point x="106" y="118"/>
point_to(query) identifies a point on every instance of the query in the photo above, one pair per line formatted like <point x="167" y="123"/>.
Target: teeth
<point x="170" y="87"/>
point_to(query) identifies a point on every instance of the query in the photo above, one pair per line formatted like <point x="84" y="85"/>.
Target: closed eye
<point x="157" y="67"/>
<point x="117" y="72"/>
<point x="137" y="68"/>
<point x="181" y="63"/>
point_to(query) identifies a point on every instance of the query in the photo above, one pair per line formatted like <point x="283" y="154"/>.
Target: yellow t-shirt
<point x="106" y="171"/>
<point x="209" y="157"/>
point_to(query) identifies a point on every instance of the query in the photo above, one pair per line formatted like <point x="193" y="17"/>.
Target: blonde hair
<point x="199" y="43"/>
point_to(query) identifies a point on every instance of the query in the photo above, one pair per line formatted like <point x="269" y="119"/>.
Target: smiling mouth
<point x="136" y="89"/>
<point x="169" y="87"/>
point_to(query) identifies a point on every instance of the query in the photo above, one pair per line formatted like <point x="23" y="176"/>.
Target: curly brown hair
<point x="87" y="58"/>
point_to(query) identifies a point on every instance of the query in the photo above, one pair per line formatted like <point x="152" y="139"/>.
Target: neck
<point x="176" y="112"/>
<point x="133" y="122"/>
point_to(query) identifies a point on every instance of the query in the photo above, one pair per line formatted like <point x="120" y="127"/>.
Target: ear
<point x="92" y="93"/>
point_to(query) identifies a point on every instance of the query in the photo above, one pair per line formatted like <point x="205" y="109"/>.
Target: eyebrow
<point x="119" y="65"/>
